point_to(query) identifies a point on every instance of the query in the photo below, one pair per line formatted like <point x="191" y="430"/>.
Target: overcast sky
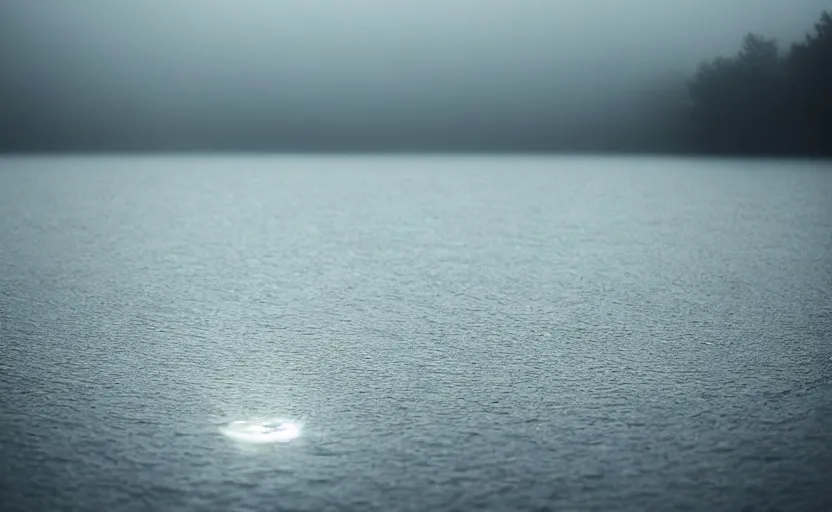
<point x="312" y="73"/>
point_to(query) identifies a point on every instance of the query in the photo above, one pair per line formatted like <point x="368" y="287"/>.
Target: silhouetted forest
<point x="764" y="101"/>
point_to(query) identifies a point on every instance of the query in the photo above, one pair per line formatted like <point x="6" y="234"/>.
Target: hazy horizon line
<point x="393" y="153"/>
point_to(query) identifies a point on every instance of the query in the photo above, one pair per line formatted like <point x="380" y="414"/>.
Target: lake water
<point x="445" y="333"/>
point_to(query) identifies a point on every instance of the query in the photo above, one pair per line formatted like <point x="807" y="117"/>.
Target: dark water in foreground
<point x="448" y="333"/>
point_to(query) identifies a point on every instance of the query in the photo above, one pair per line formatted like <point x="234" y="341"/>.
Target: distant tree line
<point x="764" y="101"/>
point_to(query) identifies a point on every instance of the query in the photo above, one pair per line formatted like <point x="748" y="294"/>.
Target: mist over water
<point x="364" y="75"/>
<point x="369" y="279"/>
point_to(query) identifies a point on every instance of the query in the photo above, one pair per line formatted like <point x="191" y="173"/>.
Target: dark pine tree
<point x="762" y="102"/>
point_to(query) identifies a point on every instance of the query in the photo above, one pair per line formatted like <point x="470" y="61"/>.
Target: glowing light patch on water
<point x="262" y="431"/>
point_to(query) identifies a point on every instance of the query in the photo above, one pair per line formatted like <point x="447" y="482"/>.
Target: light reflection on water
<point x="275" y="430"/>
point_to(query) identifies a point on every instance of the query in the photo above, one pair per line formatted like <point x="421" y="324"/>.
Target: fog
<point x="333" y="75"/>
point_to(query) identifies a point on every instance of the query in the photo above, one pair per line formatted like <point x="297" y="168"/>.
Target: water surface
<point x="453" y="333"/>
